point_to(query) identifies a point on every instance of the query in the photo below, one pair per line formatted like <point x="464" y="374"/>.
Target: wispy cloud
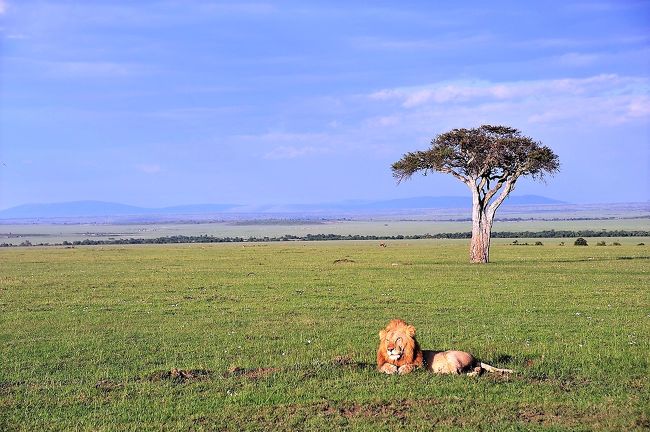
<point x="195" y="113"/>
<point x="609" y="98"/>
<point x="463" y="91"/>
<point x="292" y="152"/>
<point x="56" y="68"/>
<point x="440" y="43"/>
<point x="578" y="59"/>
<point x="378" y="123"/>
<point x="149" y="168"/>
<point x="577" y="42"/>
<point x="603" y="6"/>
<point x="247" y="8"/>
<point x="288" y="145"/>
<point x="92" y="69"/>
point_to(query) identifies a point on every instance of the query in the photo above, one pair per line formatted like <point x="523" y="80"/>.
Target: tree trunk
<point x="479" y="251"/>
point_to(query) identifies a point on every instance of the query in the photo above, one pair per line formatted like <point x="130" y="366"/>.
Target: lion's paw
<point x="405" y="369"/>
<point x="389" y="368"/>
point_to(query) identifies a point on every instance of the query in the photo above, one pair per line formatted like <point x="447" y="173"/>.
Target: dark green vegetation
<point x="328" y="237"/>
<point x="282" y="336"/>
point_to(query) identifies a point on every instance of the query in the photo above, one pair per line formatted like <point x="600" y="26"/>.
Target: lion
<point x="399" y="352"/>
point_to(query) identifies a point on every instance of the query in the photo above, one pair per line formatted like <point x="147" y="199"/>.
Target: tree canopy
<point x="487" y="153"/>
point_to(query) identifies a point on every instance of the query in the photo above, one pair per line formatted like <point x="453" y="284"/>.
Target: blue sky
<point x="169" y="102"/>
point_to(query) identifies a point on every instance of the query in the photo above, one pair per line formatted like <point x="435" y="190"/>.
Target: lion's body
<point x="399" y="352"/>
<point x="449" y="362"/>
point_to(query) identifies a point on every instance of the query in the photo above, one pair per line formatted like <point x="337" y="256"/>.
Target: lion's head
<point x="397" y="344"/>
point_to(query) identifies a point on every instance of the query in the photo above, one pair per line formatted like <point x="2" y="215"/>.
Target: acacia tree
<point x="489" y="160"/>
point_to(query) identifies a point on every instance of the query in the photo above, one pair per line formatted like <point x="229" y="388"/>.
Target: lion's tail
<point x="489" y="368"/>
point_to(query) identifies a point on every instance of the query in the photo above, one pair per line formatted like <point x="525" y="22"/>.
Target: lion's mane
<point x="412" y="354"/>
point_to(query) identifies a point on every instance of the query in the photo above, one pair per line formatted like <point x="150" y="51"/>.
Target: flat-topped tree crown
<point x="489" y="151"/>
<point x="488" y="159"/>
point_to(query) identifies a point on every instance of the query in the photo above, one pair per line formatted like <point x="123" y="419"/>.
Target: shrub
<point x="539" y="243"/>
<point x="601" y="243"/>
<point x="616" y="244"/>
<point x="580" y="242"/>
<point x="641" y="244"/>
<point x="561" y="243"/>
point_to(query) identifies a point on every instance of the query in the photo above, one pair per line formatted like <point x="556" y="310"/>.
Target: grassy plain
<point x="58" y="233"/>
<point x="282" y="336"/>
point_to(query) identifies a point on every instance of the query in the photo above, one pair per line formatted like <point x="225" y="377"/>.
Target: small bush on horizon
<point x="580" y="242"/>
<point x="601" y="243"/>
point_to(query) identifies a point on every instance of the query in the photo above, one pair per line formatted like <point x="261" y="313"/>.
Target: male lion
<point x="399" y="352"/>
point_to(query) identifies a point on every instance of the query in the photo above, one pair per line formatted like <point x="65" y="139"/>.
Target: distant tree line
<point x="326" y="237"/>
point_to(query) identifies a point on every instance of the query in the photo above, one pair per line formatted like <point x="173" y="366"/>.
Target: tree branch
<point x="490" y="193"/>
<point x="509" y="186"/>
<point x="465" y="179"/>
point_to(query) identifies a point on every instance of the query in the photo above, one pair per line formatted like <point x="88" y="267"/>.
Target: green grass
<point x="281" y="337"/>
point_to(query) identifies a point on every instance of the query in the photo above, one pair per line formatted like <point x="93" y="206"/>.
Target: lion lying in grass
<point x="399" y="352"/>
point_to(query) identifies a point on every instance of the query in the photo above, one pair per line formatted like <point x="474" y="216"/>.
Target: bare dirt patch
<point x="566" y="384"/>
<point x="344" y="261"/>
<point x="180" y="376"/>
<point x="395" y="410"/>
<point x="106" y="385"/>
<point x="253" y="374"/>
<point x="345" y="361"/>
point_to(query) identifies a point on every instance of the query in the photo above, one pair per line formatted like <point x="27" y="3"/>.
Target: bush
<point x="601" y="243"/>
<point x="539" y="243"/>
<point x="616" y="244"/>
<point x="641" y="244"/>
<point x="580" y="242"/>
<point x="561" y="243"/>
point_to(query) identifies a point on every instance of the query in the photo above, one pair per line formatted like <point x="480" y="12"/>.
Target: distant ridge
<point x="92" y="209"/>
<point x="102" y="208"/>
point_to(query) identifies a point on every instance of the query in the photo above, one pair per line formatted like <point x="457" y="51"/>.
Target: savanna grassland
<point x="282" y="336"/>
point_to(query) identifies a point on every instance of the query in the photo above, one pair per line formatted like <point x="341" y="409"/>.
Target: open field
<point x="282" y="336"/>
<point x="42" y="233"/>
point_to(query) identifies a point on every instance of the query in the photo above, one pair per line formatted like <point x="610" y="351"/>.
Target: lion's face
<point x="397" y="340"/>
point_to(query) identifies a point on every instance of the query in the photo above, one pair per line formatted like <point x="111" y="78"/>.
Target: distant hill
<point x="101" y="209"/>
<point x="95" y="209"/>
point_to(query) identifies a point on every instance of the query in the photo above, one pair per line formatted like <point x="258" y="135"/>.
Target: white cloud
<point x="283" y="136"/>
<point x="91" y="69"/>
<point x="148" y="168"/>
<point x="291" y="152"/>
<point x="288" y="145"/>
<point x="578" y="59"/>
<point x="448" y="42"/>
<point x="463" y="91"/>
<point x="383" y="121"/>
<point x="610" y="99"/>
<point x="639" y="107"/>
<point x="238" y="8"/>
